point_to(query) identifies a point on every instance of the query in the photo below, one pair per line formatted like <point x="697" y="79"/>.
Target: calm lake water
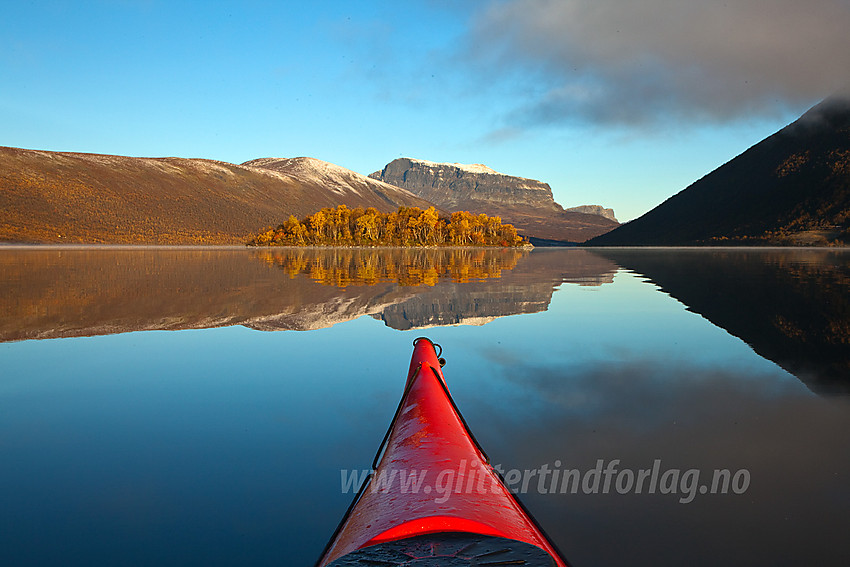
<point x="197" y="407"/>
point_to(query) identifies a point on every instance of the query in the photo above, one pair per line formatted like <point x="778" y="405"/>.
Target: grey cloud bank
<point x="635" y="63"/>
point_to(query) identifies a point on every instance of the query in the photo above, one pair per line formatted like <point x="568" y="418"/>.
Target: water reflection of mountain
<point x="527" y="289"/>
<point x="53" y="292"/>
<point x="791" y="306"/>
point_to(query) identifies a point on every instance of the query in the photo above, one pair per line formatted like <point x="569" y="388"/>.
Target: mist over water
<point x="197" y="407"/>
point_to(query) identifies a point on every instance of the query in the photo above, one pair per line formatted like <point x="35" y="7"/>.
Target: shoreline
<point x="104" y="246"/>
<point x="18" y="246"/>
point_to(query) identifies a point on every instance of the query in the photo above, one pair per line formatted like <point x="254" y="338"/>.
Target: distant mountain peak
<point x="334" y="177"/>
<point x="526" y="203"/>
<point x="593" y="210"/>
<point x="303" y="165"/>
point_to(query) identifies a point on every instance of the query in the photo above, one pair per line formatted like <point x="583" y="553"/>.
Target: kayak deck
<point x="458" y="513"/>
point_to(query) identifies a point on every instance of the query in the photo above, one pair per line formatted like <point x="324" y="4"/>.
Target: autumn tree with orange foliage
<point x="409" y="226"/>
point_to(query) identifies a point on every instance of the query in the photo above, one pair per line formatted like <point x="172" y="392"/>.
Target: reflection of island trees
<point x="409" y="226"/>
<point x="342" y="267"/>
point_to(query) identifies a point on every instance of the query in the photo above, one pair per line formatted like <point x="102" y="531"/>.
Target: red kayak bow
<point x="433" y="498"/>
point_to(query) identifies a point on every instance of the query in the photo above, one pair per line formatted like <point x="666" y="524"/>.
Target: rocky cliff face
<point x="457" y="186"/>
<point x="526" y="203"/>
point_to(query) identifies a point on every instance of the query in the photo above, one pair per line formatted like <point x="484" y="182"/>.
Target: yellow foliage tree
<point x="409" y="226"/>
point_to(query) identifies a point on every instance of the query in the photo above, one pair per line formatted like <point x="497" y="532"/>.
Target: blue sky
<point x="609" y="103"/>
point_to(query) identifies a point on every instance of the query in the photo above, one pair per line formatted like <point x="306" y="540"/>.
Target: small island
<point x="408" y="226"/>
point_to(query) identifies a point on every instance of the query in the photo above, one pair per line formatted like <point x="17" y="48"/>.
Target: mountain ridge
<point x="78" y="198"/>
<point x="73" y="197"/>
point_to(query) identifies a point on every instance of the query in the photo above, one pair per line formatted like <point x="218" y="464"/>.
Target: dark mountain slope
<point x="791" y="188"/>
